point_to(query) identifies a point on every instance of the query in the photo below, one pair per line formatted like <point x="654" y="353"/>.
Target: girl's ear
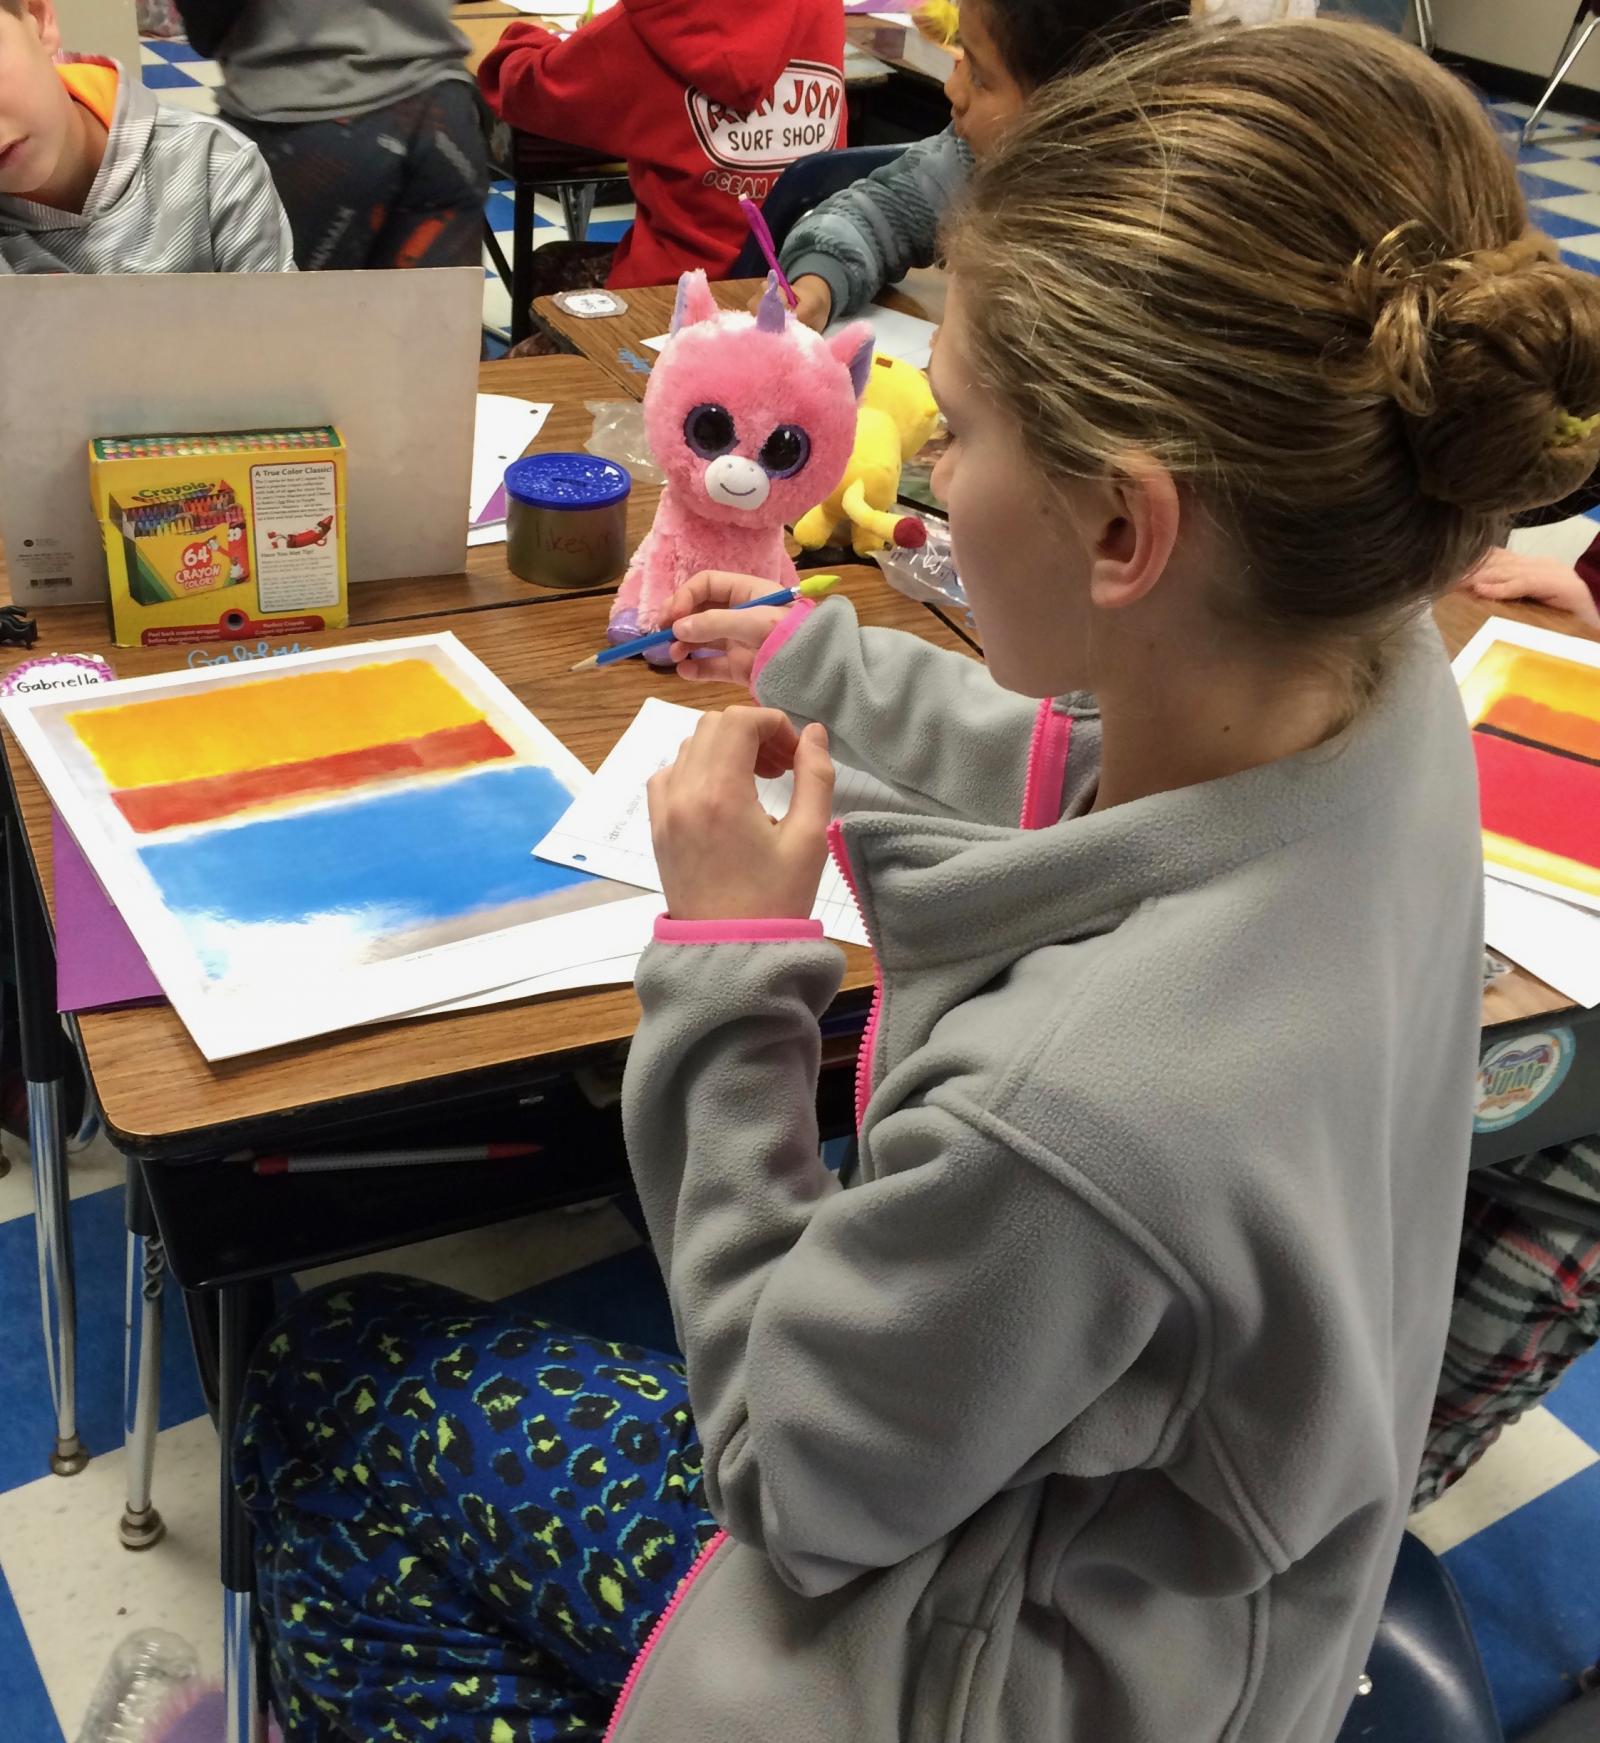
<point x="695" y="302"/>
<point x="43" y="14"/>
<point x="853" y="348"/>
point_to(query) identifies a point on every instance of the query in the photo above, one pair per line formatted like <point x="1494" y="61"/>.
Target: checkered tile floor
<point x="1521" y="1532"/>
<point x="182" y="77"/>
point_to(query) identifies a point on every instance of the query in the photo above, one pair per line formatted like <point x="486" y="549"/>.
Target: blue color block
<point x="173" y="48"/>
<point x="26" y="1705"/>
<point x="613" y="231"/>
<point x="621" y="1299"/>
<point x="27" y="1426"/>
<point x="501" y="211"/>
<point x="1531" y="1596"/>
<point x="166" y="77"/>
<point x="410" y="857"/>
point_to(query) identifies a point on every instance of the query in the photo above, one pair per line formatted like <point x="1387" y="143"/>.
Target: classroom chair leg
<point x="522" y="222"/>
<point x="577" y="207"/>
<point x="142" y="1526"/>
<point x="44" y="1061"/>
<point x="243" y="1311"/>
<point x="1577" y="39"/>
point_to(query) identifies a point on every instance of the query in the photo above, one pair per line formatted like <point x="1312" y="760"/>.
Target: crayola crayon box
<point x="212" y="537"/>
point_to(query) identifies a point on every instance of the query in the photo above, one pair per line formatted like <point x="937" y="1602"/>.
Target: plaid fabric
<point x="1527" y="1304"/>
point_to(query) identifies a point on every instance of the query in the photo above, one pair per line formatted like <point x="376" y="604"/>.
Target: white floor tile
<point x="91" y="1170"/>
<point x="204" y="72"/>
<point x="1572" y="172"/>
<point x="1585" y="147"/>
<point x="496" y="304"/>
<point x="195" y="97"/>
<point x="500" y="1261"/>
<point x="1529" y="1459"/>
<point x="149" y="58"/>
<point x="1584" y="207"/>
<point x="1585" y="245"/>
<point x="79" y="1591"/>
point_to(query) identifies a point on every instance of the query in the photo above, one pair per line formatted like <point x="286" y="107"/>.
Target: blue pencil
<point x="813" y="587"/>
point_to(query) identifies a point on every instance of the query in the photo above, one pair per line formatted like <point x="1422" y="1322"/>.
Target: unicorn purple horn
<point x="772" y="316"/>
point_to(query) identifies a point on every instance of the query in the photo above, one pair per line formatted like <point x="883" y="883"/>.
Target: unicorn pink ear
<point x="695" y="302"/>
<point x="853" y="348"/>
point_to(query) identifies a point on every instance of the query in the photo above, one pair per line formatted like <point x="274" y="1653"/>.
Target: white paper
<point x="1478" y="691"/>
<point x="502" y="431"/>
<point x="608" y="828"/>
<point x="907" y="337"/>
<point x="492" y="532"/>
<point x="613" y="971"/>
<point x="1554" y="940"/>
<point x="300" y="977"/>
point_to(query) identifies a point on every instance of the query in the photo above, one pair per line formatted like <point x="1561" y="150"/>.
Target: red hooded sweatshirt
<point x="708" y="100"/>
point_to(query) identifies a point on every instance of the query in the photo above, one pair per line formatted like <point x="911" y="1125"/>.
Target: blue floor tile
<point x="27" y="1426"/>
<point x="168" y="78"/>
<point x="173" y="48"/>
<point x="1559" y="225"/>
<point x="1537" y="187"/>
<point x="29" y="1717"/>
<point x="614" y="231"/>
<point x="1576" y="1401"/>
<point x="1531" y="1596"/>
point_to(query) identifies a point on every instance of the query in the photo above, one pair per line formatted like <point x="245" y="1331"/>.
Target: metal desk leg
<point x="577" y="207"/>
<point x="142" y="1526"/>
<point x="521" y="261"/>
<point x="242" y="1314"/>
<point x="44" y="1060"/>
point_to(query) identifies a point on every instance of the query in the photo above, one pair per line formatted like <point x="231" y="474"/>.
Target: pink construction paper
<point x="97" y="962"/>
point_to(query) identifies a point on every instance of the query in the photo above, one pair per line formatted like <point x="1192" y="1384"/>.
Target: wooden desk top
<point x="566" y="382"/>
<point x="649" y="314"/>
<point x="160" y="1097"/>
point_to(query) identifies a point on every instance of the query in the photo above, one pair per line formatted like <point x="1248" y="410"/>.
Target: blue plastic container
<point x="567" y="519"/>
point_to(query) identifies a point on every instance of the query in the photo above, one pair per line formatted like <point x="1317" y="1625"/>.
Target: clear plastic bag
<point x="619" y="435"/>
<point x="927" y="573"/>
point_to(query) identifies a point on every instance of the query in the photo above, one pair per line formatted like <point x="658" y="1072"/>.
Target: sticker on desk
<point x="1517" y="1076"/>
<point x="55" y="672"/>
<point x="590" y="305"/>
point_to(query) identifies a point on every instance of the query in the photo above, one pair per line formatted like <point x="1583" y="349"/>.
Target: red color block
<point x="215" y="796"/>
<point x="1539" y="798"/>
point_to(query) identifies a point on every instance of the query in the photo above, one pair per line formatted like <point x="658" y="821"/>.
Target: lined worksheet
<point x="607" y="829"/>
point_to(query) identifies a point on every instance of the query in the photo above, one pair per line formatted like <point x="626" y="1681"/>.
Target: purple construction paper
<point x="97" y="961"/>
<point x="494" y="510"/>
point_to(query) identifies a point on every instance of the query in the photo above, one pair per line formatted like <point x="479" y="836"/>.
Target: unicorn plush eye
<point x="785" y="451"/>
<point x="709" y="430"/>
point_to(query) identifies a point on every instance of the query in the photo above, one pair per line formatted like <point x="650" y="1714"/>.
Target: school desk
<point x="166" y="1107"/>
<point x="616" y="343"/>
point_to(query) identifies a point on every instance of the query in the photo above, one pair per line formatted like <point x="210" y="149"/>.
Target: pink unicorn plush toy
<point x="752" y="420"/>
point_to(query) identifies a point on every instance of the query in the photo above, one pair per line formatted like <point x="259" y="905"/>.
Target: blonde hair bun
<point x="1493" y="361"/>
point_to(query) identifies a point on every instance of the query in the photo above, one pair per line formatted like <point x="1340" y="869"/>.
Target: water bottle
<point x="140" y="1680"/>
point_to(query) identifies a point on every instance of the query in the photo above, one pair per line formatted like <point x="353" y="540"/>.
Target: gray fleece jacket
<point x="874" y="231"/>
<point x="1090" y="1410"/>
<point x="176" y="192"/>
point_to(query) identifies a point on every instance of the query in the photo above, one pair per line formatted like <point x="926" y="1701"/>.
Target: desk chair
<point x="1584" y="23"/>
<point x="805" y="184"/>
<point x="1424" y="1681"/>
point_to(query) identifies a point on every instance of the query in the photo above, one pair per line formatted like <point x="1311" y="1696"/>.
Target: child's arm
<point x="249" y="232"/>
<point x="1548" y="581"/>
<point x="868" y="1368"/>
<point x="874" y="232"/>
<point x="568" y="88"/>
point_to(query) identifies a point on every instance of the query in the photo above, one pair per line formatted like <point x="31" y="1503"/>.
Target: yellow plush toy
<point x="897" y="415"/>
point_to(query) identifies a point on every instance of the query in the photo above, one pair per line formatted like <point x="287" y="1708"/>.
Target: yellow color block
<point x="290" y="718"/>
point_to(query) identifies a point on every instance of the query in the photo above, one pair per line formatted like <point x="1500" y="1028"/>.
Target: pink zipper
<point x="697" y="1567"/>
<point x="869" y="1035"/>
<point x="1047" y="767"/>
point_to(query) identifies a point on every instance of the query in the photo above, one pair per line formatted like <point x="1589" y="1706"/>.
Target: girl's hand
<point x="720" y="855"/>
<point x="701" y="615"/>
<point x="1544" y="580"/>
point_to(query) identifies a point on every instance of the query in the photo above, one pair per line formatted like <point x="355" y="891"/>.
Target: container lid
<point x="567" y="481"/>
